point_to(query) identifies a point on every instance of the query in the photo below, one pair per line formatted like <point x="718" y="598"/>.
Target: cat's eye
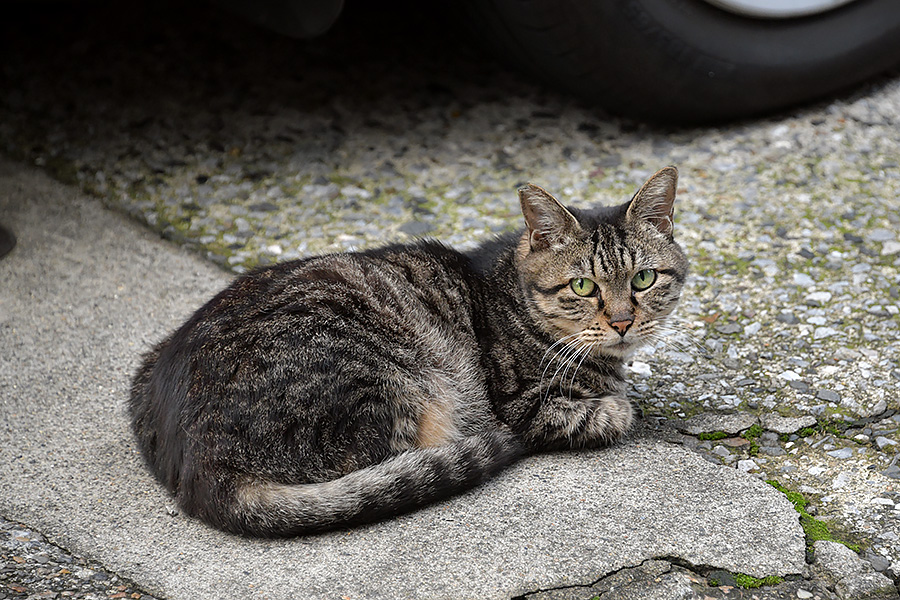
<point x="643" y="280"/>
<point x="582" y="286"/>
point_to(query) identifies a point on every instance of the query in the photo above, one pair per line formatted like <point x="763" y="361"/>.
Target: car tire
<point x="687" y="61"/>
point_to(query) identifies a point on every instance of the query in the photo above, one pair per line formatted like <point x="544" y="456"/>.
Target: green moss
<point x="713" y="435"/>
<point x="750" y="582"/>
<point x="834" y="428"/>
<point x="752" y="432"/>
<point x="814" y="529"/>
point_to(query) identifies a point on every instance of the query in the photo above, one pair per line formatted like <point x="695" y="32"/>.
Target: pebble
<point x="828" y="396"/>
<point x="881" y="235"/>
<point x="640" y="368"/>
<point x="747" y="465"/>
<point x="752" y="328"/>
<point x="848" y="354"/>
<point x="735" y="442"/>
<point x="789" y="375"/>
<point x="729" y="328"/>
<point x="841" y="453"/>
<point x="883" y="442"/>
<point x="772" y="450"/>
<point x="879" y="407"/>
<point x="415" y="228"/>
<point x="825" y="332"/>
<point x="818" y="298"/>
<point x="889" y="248"/>
<point x="842" y="479"/>
<point x="879" y="563"/>
<point x="787" y="318"/>
<point x="721" y="451"/>
<point x="802" y="279"/>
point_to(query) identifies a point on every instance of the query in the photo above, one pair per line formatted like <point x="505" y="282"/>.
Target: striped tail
<point x="401" y="483"/>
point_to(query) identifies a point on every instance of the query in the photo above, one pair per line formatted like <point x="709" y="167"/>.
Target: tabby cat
<point x="346" y="388"/>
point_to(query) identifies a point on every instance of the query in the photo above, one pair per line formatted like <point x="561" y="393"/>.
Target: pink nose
<point x="621" y="323"/>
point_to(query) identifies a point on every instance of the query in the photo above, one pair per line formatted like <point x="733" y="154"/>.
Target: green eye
<point x="582" y="286"/>
<point x="643" y="280"/>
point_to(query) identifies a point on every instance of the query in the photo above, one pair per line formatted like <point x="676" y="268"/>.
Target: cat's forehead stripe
<point x="610" y="250"/>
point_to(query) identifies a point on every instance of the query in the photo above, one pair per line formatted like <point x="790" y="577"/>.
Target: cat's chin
<point x="621" y="349"/>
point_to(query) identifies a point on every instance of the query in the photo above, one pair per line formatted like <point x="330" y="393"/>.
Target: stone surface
<point x="31" y="567"/>
<point x="866" y="586"/>
<point x="851" y="577"/>
<point x="713" y="422"/>
<point x="86" y="293"/>
<point x="786" y="425"/>
<point x="674" y="585"/>
<point x="837" y="561"/>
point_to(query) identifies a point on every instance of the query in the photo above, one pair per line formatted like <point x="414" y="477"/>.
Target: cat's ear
<point x="549" y="223"/>
<point x="655" y="201"/>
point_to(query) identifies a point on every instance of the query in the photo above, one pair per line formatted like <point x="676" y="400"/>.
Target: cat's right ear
<point x="549" y="223"/>
<point x="655" y="201"/>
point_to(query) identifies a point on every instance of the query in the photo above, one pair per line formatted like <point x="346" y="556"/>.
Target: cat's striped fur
<point x="346" y="388"/>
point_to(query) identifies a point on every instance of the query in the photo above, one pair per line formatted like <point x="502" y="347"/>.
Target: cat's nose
<point x="621" y="323"/>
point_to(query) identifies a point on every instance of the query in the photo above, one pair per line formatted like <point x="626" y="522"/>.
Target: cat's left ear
<point x="655" y="201"/>
<point x="549" y="223"/>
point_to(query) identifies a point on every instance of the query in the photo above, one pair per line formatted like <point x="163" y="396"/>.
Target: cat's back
<point x="304" y="297"/>
<point x="282" y="347"/>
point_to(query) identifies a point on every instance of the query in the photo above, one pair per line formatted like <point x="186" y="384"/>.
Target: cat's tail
<point x="401" y="483"/>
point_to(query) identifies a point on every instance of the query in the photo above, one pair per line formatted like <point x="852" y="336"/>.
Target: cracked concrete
<point x="85" y="291"/>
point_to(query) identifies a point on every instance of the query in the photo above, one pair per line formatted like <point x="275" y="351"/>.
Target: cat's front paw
<point x="611" y="419"/>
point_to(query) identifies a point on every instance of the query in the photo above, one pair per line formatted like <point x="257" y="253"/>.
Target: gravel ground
<point x="253" y="149"/>
<point x="31" y="567"/>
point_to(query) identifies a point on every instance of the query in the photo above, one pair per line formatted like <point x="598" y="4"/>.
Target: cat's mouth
<point x="620" y="348"/>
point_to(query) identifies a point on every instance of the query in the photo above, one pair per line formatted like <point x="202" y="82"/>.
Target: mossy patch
<point x="712" y="435"/>
<point x="752" y="435"/>
<point x="814" y="529"/>
<point x="807" y="432"/>
<point x="752" y="432"/>
<point x="742" y="580"/>
<point x="750" y="582"/>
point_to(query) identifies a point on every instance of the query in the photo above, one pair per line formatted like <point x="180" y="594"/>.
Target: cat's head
<point x="605" y="278"/>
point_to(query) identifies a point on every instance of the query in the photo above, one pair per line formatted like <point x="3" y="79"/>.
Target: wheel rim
<point x="778" y="9"/>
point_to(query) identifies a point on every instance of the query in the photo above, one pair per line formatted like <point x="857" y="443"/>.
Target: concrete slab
<point x="86" y="291"/>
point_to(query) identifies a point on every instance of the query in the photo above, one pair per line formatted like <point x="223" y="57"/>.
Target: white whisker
<point x="567" y="347"/>
<point x="587" y="348"/>
<point x="571" y="352"/>
<point x="571" y="360"/>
